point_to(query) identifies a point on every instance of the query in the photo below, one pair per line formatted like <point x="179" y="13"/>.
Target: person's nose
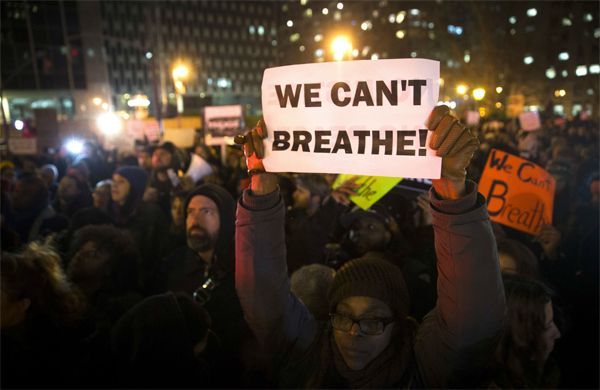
<point x="354" y="329"/>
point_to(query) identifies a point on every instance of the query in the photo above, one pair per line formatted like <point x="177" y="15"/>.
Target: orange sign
<point x="519" y="193"/>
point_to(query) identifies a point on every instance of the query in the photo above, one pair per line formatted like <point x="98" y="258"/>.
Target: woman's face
<point x="359" y="349"/>
<point x="120" y="188"/>
<point x="551" y="332"/>
<point x="177" y="211"/>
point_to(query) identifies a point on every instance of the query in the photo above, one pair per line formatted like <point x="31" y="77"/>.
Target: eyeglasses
<point x="369" y="326"/>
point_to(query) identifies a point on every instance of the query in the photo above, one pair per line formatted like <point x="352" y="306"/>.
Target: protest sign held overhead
<point x="530" y="120"/>
<point x="519" y="193"/>
<point x="370" y="190"/>
<point x="223" y="121"/>
<point x="355" y="117"/>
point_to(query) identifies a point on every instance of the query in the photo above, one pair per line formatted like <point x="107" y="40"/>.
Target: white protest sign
<point x="357" y="117"/>
<point x="473" y="118"/>
<point x="223" y="121"/>
<point x="530" y="120"/>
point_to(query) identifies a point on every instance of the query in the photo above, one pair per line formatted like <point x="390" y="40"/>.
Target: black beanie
<point x="371" y="277"/>
<point x="226" y="206"/>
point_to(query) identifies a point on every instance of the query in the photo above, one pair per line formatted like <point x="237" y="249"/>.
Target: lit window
<point x="365" y="51"/>
<point x="513" y="31"/>
<point x="431" y="25"/>
<point x="459" y="30"/>
<point x="531" y="12"/>
<point x="261" y="30"/>
<point x="319" y="53"/>
<point x="528" y="60"/>
<point x="566" y="22"/>
<point x="303" y="2"/>
<point x="318" y="37"/>
<point x="467" y="57"/>
<point x="563" y="56"/>
<point x="400" y="34"/>
<point x="400" y="17"/>
<point x="431" y="35"/>
<point x="302" y="48"/>
<point x="413" y="54"/>
<point x="290" y="23"/>
<point x="512" y="20"/>
<point x="355" y="53"/>
<point x="375" y="14"/>
<point x="550" y="73"/>
<point x="595" y="69"/>
<point x="325" y="11"/>
<point x="340" y="5"/>
<point x="590" y="91"/>
<point x="581" y="70"/>
<point x="337" y="16"/>
<point x="597" y="33"/>
<point x="564" y="73"/>
<point x="308" y="12"/>
<point x="451" y="29"/>
<point x="414" y="12"/>
<point x="392" y="18"/>
<point x="274" y="42"/>
<point x="294" y="37"/>
<point x="588" y="17"/>
<point x="374" y="56"/>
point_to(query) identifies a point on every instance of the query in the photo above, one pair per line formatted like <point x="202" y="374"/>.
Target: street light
<point x="341" y="46"/>
<point x="180" y="74"/>
<point x="461" y="89"/>
<point x="478" y="93"/>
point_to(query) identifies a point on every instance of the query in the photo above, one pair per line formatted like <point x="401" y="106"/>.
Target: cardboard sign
<point x="372" y="188"/>
<point x="356" y="117"/>
<point x="223" y="121"/>
<point x="519" y="193"/>
<point x="473" y="118"/>
<point x="182" y="138"/>
<point x="22" y="146"/>
<point x="530" y="121"/>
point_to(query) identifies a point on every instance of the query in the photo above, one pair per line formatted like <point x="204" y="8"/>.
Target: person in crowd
<point x="177" y="234"/>
<point x="204" y="268"/>
<point x="516" y="258"/>
<point x="7" y="176"/>
<point x="374" y="234"/>
<point x="101" y="195"/>
<point x="167" y="163"/>
<point x="310" y="221"/>
<point x="31" y="215"/>
<point x="72" y="195"/>
<point x="160" y="343"/>
<point x="49" y="174"/>
<point x="311" y="283"/>
<point x="103" y="264"/>
<point x="369" y="340"/>
<point x="40" y="314"/>
<point x="522" y="357"/>
<point x="145" y="221"/>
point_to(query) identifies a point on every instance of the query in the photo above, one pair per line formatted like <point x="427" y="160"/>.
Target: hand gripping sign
<point x="356" y="117"/>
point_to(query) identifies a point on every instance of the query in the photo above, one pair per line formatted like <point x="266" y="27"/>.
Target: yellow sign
<point x="370" y="190"/>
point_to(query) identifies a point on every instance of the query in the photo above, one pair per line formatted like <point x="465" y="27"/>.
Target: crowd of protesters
<point x="134" y="270"/>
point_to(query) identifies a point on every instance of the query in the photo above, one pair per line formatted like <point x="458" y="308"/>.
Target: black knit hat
<point x="371" y="277"/>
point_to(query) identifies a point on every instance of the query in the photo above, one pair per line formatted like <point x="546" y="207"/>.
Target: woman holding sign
<point x="369" y="340"/>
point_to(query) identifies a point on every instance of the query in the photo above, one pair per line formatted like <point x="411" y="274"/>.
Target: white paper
<point x="386" y="114"/>
<point x="198" y="168"/>
<point x="530" y="120"/>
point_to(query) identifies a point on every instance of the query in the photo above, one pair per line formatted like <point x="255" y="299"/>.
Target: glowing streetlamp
<point x="478" y="93"/>
<point x="180" y="74"/>
<point x="499" y="89"/>
<point x="461" y="89"/>
<point x="341" y="46"/>
<point x="109" y="124"/>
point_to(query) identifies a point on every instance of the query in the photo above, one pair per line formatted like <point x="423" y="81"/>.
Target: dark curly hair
<point x="35" y="273"/>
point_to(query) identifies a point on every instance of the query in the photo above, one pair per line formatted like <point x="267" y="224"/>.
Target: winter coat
<point x="451" y="346"/>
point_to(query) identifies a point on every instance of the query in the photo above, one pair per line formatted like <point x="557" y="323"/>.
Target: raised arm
<point x="457" y="337"/>
<point x="278" y="319"/>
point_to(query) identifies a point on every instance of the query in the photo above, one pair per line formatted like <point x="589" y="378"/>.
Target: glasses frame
<point x="385" y="320"/>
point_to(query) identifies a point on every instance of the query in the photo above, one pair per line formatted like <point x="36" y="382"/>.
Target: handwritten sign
<point x="223" y="121"/>
<point x="530" y="120"/>
<point x="355" y="117"/>
<point x="372" y="188"/>
<point x="519" y="193"/>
